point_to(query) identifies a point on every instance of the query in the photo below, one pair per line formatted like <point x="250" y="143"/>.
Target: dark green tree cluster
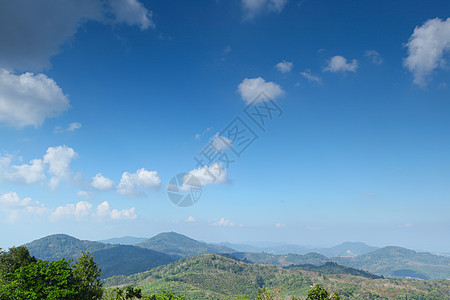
<point x="320" y="293"/>
<point x="25" y="277"/>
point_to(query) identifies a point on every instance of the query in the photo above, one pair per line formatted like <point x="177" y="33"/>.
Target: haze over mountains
<point x="165" y="248"/>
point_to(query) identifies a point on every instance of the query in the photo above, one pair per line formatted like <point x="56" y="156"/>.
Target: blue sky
<point x="103" y="102"/>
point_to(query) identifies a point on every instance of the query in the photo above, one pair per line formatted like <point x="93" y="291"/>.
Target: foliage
<point x="123" y="293"/>
<point x="87" y="273"/>
<point x="24" y="277"/>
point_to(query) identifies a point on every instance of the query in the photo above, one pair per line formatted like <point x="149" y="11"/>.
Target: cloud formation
<point x="308" y="75"/>
<point x="58" y="160"/>
<point x="223" y="222"/>
<point x="44" y="26"/>
<point x="251" y="88"/>
<point x="284" y="66"/>
<point x="131" y="184"/>
<point x="209" y="175"/>
<point x="426" y="49"/>
<point x="339" y="64"/>
<point x="29" y="99"/>
<point x="102" y="183"/>
<point x="20" y="209"/>
<point x="254" y="7"/>
<point x="84" y="210"/>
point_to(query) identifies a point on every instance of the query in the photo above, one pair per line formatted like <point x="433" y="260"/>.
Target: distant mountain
<point x="58" y="246"/>
<point x="127" y="260"/>
<point x="334" y="268"/>
<point x="126" y="240"/>
<point x="177" y="244"/>
<point x="212" y="276"/>
<point x="274" y="249"/>
<point x="400" y="262"/>
<point x="347" y="249"/>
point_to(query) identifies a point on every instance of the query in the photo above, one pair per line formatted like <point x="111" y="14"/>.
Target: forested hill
<point x="58" y="246"/>
<point x="177" y="244"/>
<point x="400" y="262"/>
<point x="212" y="276"/>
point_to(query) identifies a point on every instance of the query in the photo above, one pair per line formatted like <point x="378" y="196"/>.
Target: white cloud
<point x="280" y="225"/>
<point x="190" y="219"/>
<point x="29" y="99"/>
<point x="45" y="25"/>
<point x="251" y="88"/>
<point x="227" y="50"/>
<point x="223" y="222"/>
<point x="29" y="173"/>
<point x="86" y="195"/>
<point x="308" y="75"/>
<point x="374" y="56"/>
<point x="102" y="183"/>
<point x="339" y="64"/>
<point x="71" y="128"/>
<point x="104" y="211"/>
<point x="78" y="211"/>
<point x="20" y="209"/>
<point x="426" y="49"/>
<point x="209" y="175"/>
<point x="220" y="143"/>
<point x="255" y="7"/>
<point x="58" y="159"/>
<point x="132" y="12"/>
<point x="131" y="182"/>
<point x="284" y="66"/>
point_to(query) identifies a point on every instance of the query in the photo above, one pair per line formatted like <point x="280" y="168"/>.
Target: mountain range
<point x="168" y="247"/>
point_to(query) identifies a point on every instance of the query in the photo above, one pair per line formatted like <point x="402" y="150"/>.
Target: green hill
<point x="127" y="260"/>
<point x="212" y="276"/>
<point x="112" y="259"/>
<point x="58" y="246"/>
<point x="177" y="244"/>
<point x="400" y="262"/>
<point x="282" y="260"/>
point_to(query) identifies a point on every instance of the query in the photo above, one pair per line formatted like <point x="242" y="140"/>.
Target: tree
<point x="14" y="259"/>
<point x="320" y="293"/>
<point x="41" y="280"/>
<point x="87" y="274"/>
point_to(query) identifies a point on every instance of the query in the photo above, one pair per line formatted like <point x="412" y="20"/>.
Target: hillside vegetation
<point x="212" y="276"/>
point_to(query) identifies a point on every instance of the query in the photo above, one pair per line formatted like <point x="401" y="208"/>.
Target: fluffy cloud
<point x="43" y="26"/>
<point x="374" y="56"/>
<point x="33" y="172"/>
<point x="223" y="222"/>
<point x="104" y="211"/>
<point x="284" y="66"/>
<point x="308" y="75"/>
<point x="58" y="160"/>
<point x="339" y="64"/>
<point x="78" y="211"/>
<point x="102" y="183"/>
<point x="251" y="88"/>
<point x="18" y="208"/>
<point x="426" y="48"/>
<point x="132" y="12"/>
<point x="280" y="225"/>
<point x="209" y="175"/>
<point x="255" y="7"/>
<point x="29" y="99"/>
<point x="131" y="182"/>
<point x="220" y="143"/>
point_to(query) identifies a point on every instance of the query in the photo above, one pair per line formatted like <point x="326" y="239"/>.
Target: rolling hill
<point x="58" y="246"/>
<point x="127" y="260"/>
<point x="400" y="262"/>
<point x="212" y="276"/>
<point x="177" y="244"/>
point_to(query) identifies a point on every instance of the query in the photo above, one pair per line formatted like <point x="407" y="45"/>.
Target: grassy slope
<point x="213" y="276"/>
